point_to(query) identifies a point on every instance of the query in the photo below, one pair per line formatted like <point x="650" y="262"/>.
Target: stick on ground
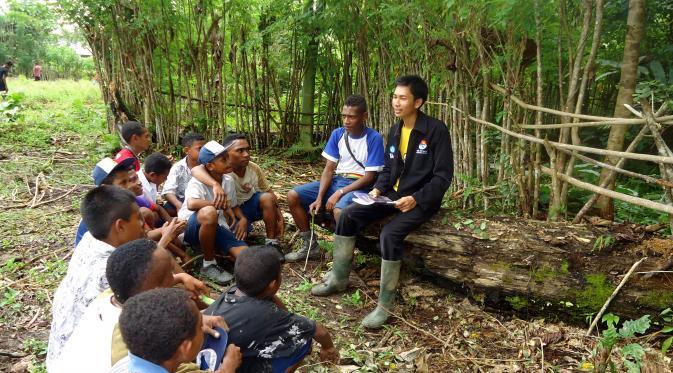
<point x="613" y="295"/>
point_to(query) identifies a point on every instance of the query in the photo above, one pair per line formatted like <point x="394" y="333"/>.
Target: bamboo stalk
<point x="524" y="105"/>
<point x="613" y="153"/>
<point x="611" y="193"/>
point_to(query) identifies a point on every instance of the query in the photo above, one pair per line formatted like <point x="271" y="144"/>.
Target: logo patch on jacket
<point x="422" y="147"/>
<point x="392" y="151"/>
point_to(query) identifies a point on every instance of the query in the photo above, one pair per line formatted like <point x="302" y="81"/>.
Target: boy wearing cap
<point x="137" y="139"/>
<point x="271" y="338"/>
<point x="207" y="226"/>
<point x="113" y="219"/>
<point x="253" y="192"/>
<point x="109" y="172"/>
<point x="162" y="329"/>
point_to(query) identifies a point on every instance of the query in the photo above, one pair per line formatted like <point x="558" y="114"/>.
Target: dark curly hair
<point x="357" y="101"/>
<point x="255" y="268"/>
<point x="131" y="128"/>
<point x="157" y="163"/>
<point x="189" y="138"/>
<point x="231" y="138"/>
<point x="154" y="323"/>
<point x="102" y="206"/>
<point x="128" y="266"/>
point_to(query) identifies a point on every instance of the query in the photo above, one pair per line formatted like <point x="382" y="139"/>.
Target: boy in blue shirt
<point x="162" y="330"/>
<point x="354" y="153"/>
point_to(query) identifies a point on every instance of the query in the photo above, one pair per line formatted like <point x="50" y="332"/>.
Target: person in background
<point x="4" y="72"/>
<point x="37" y="72"/>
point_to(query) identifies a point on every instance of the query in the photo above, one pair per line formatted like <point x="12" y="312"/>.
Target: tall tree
<point x="627" y="85"/>
<point x="313" y="7"/>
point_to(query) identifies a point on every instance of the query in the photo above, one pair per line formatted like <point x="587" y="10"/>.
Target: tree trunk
<point x="308" y="84"/>
<point x="627" y="85"/>
<point x="536" y="267"/>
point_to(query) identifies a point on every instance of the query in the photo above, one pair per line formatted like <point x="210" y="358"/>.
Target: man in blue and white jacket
<point x="354" y="155"/>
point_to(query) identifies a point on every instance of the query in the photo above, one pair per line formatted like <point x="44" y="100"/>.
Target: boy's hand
<point x="405" y="204"/>
<point x="329" y="355"/>
<point x="232" y="360"/>
<point x="241" y="229"/>
<point x="332" y="201"/>
<point x="314" y="207"/>
<point x="375" y="193"/>
<point x="190" y="284"/>
<point x="220" y="201"/>
<point x="173" y="228"/>
<point x="212" y="322"/>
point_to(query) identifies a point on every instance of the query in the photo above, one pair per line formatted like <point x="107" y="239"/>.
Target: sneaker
<point x="301" y="254"/>
<point x="217" y="275"/>
<point x="279" y="248"/>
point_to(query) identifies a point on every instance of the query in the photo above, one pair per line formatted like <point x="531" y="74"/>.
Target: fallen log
<point x="540" y="268"/>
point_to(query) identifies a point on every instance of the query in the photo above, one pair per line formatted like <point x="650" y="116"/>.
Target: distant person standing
<point x="37" y="72"/>
<point x="4" y="72"/>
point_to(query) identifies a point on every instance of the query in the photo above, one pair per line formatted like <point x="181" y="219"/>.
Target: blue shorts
<point x="251" y="209"/>
<point x="280" y="364"/>
<point x="309" y="192"/>
<point x="224" y="238"/>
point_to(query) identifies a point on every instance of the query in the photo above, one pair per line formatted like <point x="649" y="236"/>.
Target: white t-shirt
<point x="198" y="190"/>
<point x="367" y="149"/>
<point x="177" y="180"/>
<point x="90" y="345"/>
<point x="149" y="189"/>
<point x="83" y="282"/>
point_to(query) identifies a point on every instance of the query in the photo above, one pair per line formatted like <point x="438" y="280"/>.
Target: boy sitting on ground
<point x="108" y="172"/>
<point x="162" y="329"/>
<point x="137" y="139"/>
<point x="154" y="173"/>
<point x="271" y="338"/>
<point x="113" y="218"/>
<point x="253" y="192"/>
<point x="207" y="226"/>
<point x="133" y="268"/>
<point x="181" y="172"/>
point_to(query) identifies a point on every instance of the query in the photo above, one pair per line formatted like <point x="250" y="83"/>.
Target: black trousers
<point x="356" y="217"/>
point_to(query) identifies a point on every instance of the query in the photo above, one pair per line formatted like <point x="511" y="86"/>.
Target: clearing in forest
<point x="51" y="137"/>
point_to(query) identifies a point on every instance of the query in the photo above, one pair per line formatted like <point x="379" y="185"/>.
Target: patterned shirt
<point x="261" y="329"/>
<point x="177" y="180"/>
<point x="83" y="282"/>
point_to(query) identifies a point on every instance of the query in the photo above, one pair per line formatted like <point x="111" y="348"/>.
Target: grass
<point x="56" y="129"/>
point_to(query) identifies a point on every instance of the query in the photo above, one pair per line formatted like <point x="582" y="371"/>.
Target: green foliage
<point x="11" y="108"/>
<point x="632" y="353"/>
<point x="603" y="242"/>
<point x="517" y="302"/>
<point x="35" y="346"/>
<point x="353" y="300"/>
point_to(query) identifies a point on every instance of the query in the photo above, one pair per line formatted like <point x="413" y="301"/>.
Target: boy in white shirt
<point x="207" y="226"/>
<point x="176" y="183"/>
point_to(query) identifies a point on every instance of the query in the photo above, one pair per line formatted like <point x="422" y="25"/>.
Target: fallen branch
<point x="13" y="355"/>
<point x="613" y="295"/>
<point x="557" y="145"/>
<point x="610" y="193"/>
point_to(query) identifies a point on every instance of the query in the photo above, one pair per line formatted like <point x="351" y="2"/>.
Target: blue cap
<point x="212" y="351"/>
<point x="210" y="151"/>
<point x="107" y="166"/>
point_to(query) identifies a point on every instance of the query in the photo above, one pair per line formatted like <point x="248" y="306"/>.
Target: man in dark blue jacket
<point x="417" y="172"/>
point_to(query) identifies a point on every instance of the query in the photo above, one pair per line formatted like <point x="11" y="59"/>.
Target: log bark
<point x="535" y="267"/>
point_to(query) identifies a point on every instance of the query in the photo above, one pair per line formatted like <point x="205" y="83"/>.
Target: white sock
<point x="207" y="263"/>
<point x="271" y="241"/>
